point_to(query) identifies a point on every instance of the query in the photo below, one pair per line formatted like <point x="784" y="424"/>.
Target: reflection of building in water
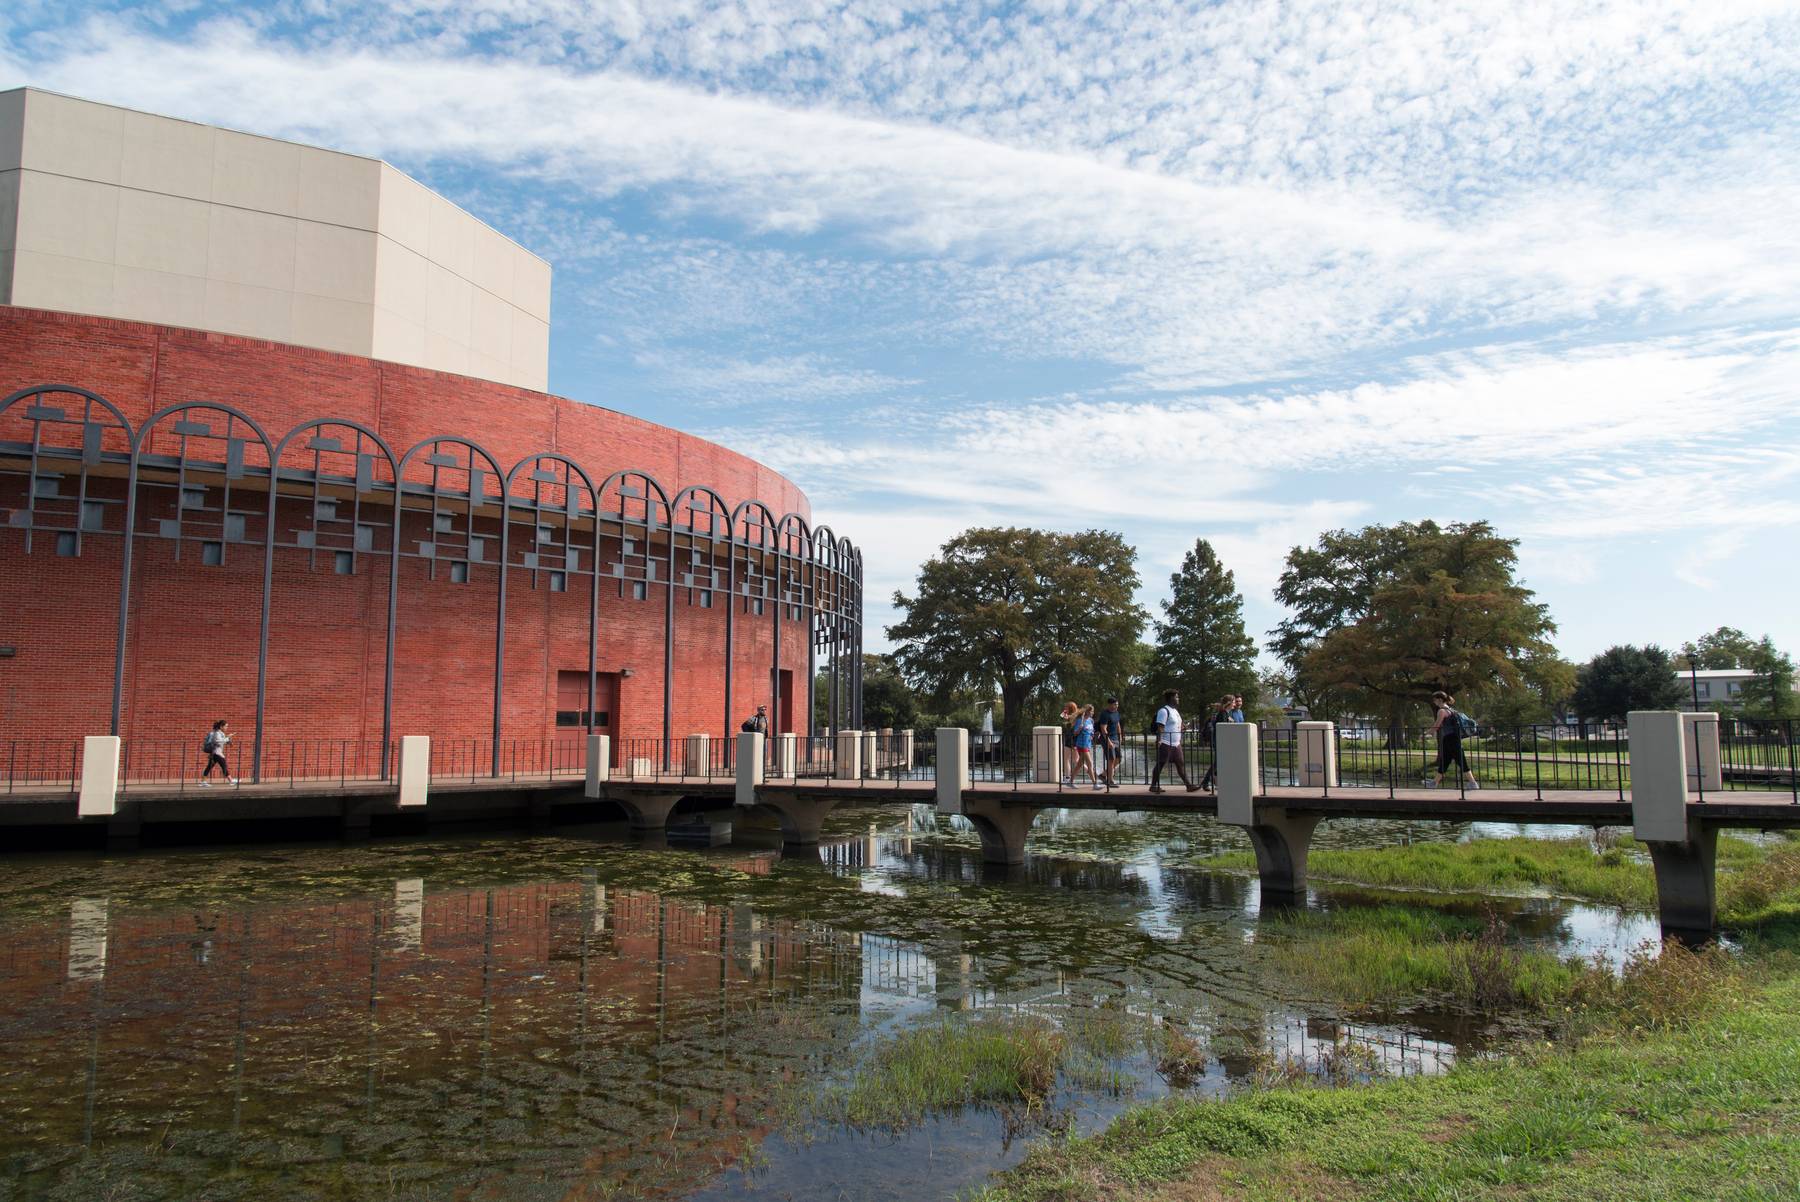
<point x="458" y="1028"/>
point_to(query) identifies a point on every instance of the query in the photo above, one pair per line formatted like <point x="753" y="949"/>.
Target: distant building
<point x="1711" y="687"/>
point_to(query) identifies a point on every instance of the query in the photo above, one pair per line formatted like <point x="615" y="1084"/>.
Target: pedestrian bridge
<point x="1666" y="805"/>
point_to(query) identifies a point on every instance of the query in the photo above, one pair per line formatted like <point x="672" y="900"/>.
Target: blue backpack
<point x="1466" y="726"/>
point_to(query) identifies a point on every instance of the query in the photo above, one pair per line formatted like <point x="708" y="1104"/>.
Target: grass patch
<point x="1685" y="1084"/>
<point x="1515" y="865"/>
<point x="1002" y="1060"/>
<point x="1383" y="953"/>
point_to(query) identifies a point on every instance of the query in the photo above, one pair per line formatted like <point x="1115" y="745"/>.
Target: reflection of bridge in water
<point x="467" y="1027"/>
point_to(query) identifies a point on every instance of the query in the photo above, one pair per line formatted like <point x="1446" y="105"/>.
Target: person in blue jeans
<point x="1109" y="741"/>
<point x="1084" y="746"/>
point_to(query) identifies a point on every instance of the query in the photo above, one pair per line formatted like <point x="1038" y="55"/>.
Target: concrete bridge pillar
<point x="801" y="817"/>
<point x="952" y="768"/>
<point x="599" y="764"/>
<point x="696" y="753"/>
<point x="646" y="811"/>
<point x="786" y="755"/>
<point x="1281" y="839"/>
<point x="1002" y="828"/>
<point x="99" y="796"/>
<point x="749" y="767"/>
<point x="871" y="753"/>
<point x="1046" y="755"/>
<point x="415" y="769"/>
<point x="1681" y="850"/>
<point x="846" y="760"/>
<point x="1315" y="755"/>
<point x="1700" y="743"/>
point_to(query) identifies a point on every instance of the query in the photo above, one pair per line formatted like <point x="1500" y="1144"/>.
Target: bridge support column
<point x="1700" y="744"/>
<point x="749" y="767"/>
<point x="1046" y="755"/>
<point x="1686" y="896"/>
<point x="647" y="811"/>
<point x="801" y="817"/>
<point x="1281" y="839"/>
<point x="952" y="768"/>
<point x="99" y="796"/>
<point x="599" y="765"/>
<point x="1681" y="850"/>
<point x="1002" y="829"/>
<point x="415" y="769"/>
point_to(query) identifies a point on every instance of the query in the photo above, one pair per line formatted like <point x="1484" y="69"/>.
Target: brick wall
<point x="191" y="652"/>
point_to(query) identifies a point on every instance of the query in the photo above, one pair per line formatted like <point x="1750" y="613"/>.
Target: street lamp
<point x="1689" y="650"/>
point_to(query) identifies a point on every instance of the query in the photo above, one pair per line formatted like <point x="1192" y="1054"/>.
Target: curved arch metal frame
<point x="465" y="503"/>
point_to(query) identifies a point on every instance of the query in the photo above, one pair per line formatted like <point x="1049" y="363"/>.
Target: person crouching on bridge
<point x="1168" y="743"/>
<point x="214" y="747"/>
<point x="1449" y="731"/>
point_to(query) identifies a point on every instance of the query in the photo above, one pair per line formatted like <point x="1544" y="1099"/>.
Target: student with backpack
<point x="213" y="746"/>
<point x="1168" y="743"/>
<point x="759" y="723"/>
<point x="1450" y="728"/>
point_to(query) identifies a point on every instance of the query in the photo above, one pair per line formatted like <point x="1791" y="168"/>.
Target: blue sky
<point x="1245" y="271"/>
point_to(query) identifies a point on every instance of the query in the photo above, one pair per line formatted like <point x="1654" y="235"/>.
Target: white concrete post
<point x="1239" y="771"/>
<point x="905" y="750"/>
<point x="99" y="776"/>
<point x="693" y="758"/>
<point x="846" y="760"/>
<point x="599" y="764"/>
<point x="1315" y="755"/>
<point x="887" y="746"/>
<point x="1046" y="755"/>
<point x="409" y="914"/>
<point x="1658" y="776"/>
<point x="786" y="754"/>
<point x="952" y="768"/>
<point x="415" y="769"/>
<point x="749" y="766"/>
<point x="871" y="754"/>
<point x="1700" y="739"/>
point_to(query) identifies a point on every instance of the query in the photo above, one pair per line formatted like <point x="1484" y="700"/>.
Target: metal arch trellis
<point x="554" y="506"/>
<point x="703" y="558"/>
<point x="753" y="556"/>
<point x="232" y="467"/>
<point x="443" y="531"/>
<point x="632" y="562"/>
<point x="326" y="530"/>
<point x="765" y="559"/>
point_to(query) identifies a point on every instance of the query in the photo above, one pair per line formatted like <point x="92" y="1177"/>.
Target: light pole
<point x="1689" y="650"/>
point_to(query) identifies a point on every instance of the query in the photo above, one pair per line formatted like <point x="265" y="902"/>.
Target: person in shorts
<point x="1071" y="714"/>
<point x="1168" y="743"/>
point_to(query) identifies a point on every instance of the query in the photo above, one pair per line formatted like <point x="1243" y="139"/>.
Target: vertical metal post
<point x="668" y="648"/>
<point x="730" y="615"/>
<point x="500" y="607"/>
<point x="262" y="644"/>
<point x="131" y="476"/>
<point x="594" y="620"/>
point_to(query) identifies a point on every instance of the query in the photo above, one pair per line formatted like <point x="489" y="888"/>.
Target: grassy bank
<point x="1684" y="1082"/>
<point x="1758" y="882"/>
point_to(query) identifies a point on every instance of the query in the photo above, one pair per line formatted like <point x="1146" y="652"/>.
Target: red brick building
<point x="628" y="556"/>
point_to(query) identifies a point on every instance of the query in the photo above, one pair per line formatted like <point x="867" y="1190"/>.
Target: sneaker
<point x="205" y="784"/>
<point x="1430" y="784"/>
<point x="1099" y="788"/>
<point x="1069" y="781"/>
<point x="233" y="780"/>
<point x="1474" y="784"/>
<point x="1158" y="789"/>
<point x="1193" y="788"/>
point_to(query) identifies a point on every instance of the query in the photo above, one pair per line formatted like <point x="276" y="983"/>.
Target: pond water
<point x="574" y="1015"/>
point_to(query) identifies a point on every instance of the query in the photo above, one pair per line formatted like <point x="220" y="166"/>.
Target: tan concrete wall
<point x="123" y="214"/>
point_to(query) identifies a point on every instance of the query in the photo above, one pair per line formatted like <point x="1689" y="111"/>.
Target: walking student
<point x="1084" y="746"/>
<point x="1223" y="711"/>
<point x="1070" y="712"/>
<point x="1110" y="739"/>
<point x="758" y="723"/>
<point x="1168" y="743"/>
<point x="214" y="747"/>
<point x="1449" y="731"/>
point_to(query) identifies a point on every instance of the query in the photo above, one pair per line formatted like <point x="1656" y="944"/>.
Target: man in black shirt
<point x="1109" y="740"/>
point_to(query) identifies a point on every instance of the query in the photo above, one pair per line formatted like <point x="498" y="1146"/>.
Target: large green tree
<point x="1625" y="678"/>
<point x="1770" y="693"/>
<point x="888" y="700"/>
<point x="1201" y="645"/>
<point x="1383" y="616"/>
<point x="1726" y="647"/>
<point x="1029" y="613"/>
